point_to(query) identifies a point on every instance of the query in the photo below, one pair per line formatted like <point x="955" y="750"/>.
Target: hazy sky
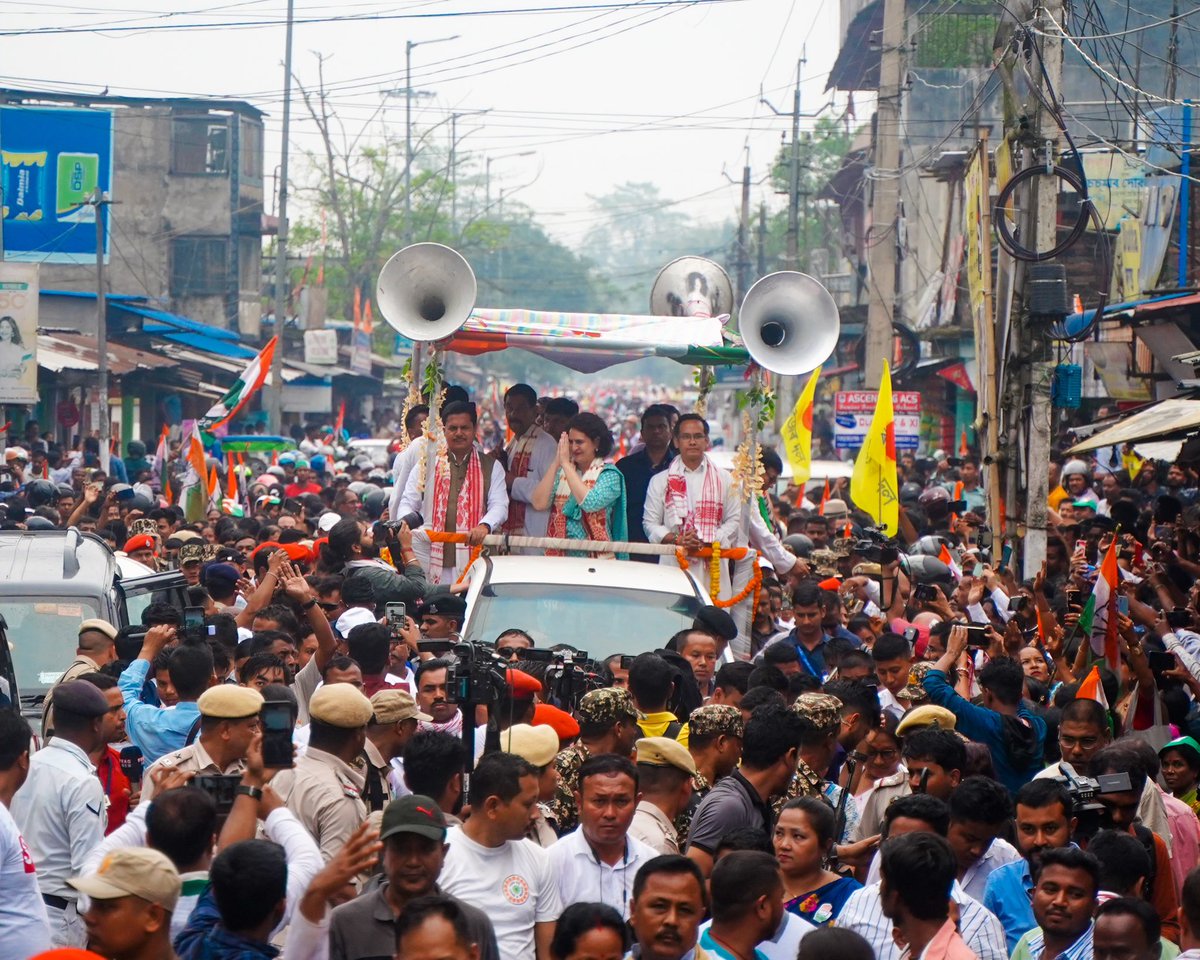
<point x="667" y="94"/>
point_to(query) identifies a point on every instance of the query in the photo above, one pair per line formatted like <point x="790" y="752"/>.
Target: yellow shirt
<point x="655" y="725"/>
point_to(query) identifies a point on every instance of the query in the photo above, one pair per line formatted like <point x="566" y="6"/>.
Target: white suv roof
<point x="625" y="574"/>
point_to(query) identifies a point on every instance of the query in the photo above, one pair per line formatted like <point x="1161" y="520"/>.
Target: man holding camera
<point x="1013" y="733"/>
<point x="160" y="730"/>
<point x="228" y="723"/>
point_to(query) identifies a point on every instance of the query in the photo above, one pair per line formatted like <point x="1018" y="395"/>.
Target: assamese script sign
<point x="853" y="409"/>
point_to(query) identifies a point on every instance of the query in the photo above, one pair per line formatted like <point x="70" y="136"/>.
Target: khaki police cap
<point x="100" y="626"/>
<point x="227" y="701"/>
<point x="665" y="752"/>
<point x="929" y="715"/>
<point x="341" y="705"/>
<point x="538" y="745"/>
<point x="393" y="706"/>
<point x="715" y="719"/>
<point x="133" y="872"/>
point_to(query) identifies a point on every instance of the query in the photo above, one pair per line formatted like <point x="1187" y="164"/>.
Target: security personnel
<point x="61" y="810"/>
<point x="715" y="743"/>
<point x="97" y="645"/>
<point x="393" y="724"/>
<point x="325" y="789"/>
<point x="441" y="617"/>
<point x="608" y="723"/>
<point x="229" y="719"/>
<point x="665" y="771"/>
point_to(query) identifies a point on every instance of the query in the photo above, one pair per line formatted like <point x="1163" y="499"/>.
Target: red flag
<point x="963" y="448"/>
<point x="232" y="486"/>
<point x="341" y="419"/>
<point x="824" y="498"/>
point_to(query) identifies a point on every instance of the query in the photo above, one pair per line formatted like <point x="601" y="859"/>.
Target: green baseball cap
<point x="413" y="814"/>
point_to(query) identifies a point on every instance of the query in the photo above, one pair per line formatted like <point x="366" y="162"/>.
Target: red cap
<point x="833" y="583"/>
<point x="523" y="686"/>
<point x="563" y="723"/>
<point x="68" y="953"/>
<point x="143" y="541"/>
<point x="297" y="552"/>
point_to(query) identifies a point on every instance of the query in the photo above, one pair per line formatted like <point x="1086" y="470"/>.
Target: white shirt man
<point x="421" y="493"/>
<point x="664" y="524"/>
<point x="402" y="467"/>
<point x="584" y="878"/>
<point x="532" y="453"/>
<point x="61" y="811"/>
<point x="512" y="882"/>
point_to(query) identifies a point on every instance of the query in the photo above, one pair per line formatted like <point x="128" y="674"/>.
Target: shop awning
<point x="68" y="351"/>
<point x="1172" y="418"/>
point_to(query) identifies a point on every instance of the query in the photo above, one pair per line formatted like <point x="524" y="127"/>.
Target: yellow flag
<point x="797" y="433"/>
<point x="874" y="485"/>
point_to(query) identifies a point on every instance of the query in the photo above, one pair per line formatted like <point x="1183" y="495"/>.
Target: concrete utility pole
<point x="454" y="117"/>
<point x="762" y="239"/>
<point x="885" y="199"/>
<point x="1037" y="370"/>
<point x="743" y="263"/>
<point x="274" y="397"/>
<point x="793" y="230"/>
<point x="100" y="201"/>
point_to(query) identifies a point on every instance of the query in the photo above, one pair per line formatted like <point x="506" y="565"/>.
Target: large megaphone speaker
<point x="691" y="287"/>
<point x="789" y="323"/>
<point x="426" y="291"/>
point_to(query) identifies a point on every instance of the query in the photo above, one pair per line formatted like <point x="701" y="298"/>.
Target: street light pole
<point x="409" y="46"/>
<point x="487" y="176"/>
<point x="454" y="162"/>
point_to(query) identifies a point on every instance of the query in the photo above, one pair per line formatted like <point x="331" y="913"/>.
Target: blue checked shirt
<point x="155" y="730"/>
<point x="1009" y="895"/>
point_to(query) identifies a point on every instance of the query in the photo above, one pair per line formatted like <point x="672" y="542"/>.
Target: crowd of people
<point x="908" y="751"/>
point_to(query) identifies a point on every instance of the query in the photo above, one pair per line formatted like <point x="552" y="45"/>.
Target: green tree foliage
<point x="638" y="232"/>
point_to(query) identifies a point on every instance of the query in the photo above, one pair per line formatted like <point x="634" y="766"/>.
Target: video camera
<point x="571" y="675"/>
<point x="477" y="675"/>
<point x="876" y="547"/>
<point x="1085" y="808"/>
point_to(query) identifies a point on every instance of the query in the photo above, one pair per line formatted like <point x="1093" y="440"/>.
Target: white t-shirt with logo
<point x="24" y="931"/>
<point x="513" y="883"/>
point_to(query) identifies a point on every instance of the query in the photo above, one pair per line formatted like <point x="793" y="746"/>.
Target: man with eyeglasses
<point x="1082" y="733"/>
<point x="692" y="504"/>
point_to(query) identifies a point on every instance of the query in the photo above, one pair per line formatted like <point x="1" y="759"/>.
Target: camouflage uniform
<point x="823" y="711"/>
<point x="603" y="707"/>
<point x="707" y="721"/>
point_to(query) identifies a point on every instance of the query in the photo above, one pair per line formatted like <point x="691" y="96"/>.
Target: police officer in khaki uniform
<point x="665" y="771"/>
<point x="228" y="722"/>
<point x="96" y="647"/>
<point x="538" y="745"/>
<point x="324" y="791"/>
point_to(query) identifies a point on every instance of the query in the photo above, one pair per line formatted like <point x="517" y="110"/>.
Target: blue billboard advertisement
<point x="52" y="161"/>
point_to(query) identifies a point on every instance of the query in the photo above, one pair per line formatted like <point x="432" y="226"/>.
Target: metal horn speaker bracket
<point x="691" y="287"/>
<point x="789" y="323"/>
<point x="426" y="292"/>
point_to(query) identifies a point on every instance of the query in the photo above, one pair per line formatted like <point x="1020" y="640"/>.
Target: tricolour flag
<point x="195" y="494"/>
<point x="243" y="388"/>
<point x="874" y="485"/>
<point x="948" y="559"/>
<point x="1099" y="617"/>
<point x="797" y="432"/>
<point x="1092" y="689"/>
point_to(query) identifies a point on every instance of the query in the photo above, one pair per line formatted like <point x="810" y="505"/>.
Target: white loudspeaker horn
<point x="789" y="323"/>
<point x="691" y="287"/>
<point x="426" y="291"/>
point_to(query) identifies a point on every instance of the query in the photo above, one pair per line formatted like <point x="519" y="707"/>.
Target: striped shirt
<point x="863" y="913"/>
<point x="1032" y="946"/>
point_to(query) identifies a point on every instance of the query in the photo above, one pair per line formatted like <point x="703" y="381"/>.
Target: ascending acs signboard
<point x="853" y="409"/>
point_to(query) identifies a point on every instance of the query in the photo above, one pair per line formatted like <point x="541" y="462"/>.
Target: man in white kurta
<point x="530" y="454"/>
<point x="421" y="495"/>
<point x="701" y="520"/>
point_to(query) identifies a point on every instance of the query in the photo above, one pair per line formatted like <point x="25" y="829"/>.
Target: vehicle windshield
<point x="42" y="634"/>
<point x="601" y="620"/>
